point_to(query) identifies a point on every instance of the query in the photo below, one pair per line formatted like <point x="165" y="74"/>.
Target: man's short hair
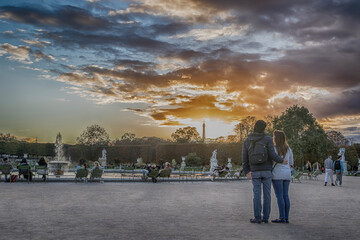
<point x="260" y="126"/>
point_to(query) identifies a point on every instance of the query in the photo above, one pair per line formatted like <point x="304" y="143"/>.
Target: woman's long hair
<point x="280" y="142"/>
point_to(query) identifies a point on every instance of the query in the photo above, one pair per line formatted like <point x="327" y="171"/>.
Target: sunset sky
<point x="151" y="66"/>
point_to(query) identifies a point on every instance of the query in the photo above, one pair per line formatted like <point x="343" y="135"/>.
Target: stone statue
<point x="102" y="160"/>
<point x="229" y="165"/>
<point x="104" y="154"/>
<point x="214" y="154"/>
<point x="183" y="164"/>
<point x="342" y="154"/>
<point x="139" y="161"/>
<point x="213" y="161"/>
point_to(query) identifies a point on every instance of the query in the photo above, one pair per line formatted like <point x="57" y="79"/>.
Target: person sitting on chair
<point x="82" y="164"/>
<point x="26" y="173"/>
<point x="96" y="166"/>
<point x="145" y="171"/>
<point x="42" y="162"/>
<point x="6" y="162"/>
<point x="215" y="173"/>
<point x="153" y="168"/>
<point x="224" y="169"/>
<point x="166" y="167"/>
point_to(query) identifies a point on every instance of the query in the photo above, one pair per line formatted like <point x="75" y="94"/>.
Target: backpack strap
<point x="252" y="143"/>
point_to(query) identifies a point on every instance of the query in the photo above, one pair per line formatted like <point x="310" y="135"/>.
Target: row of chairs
<point x="193" y="174"/>
<point x="300" y="174"/>
<point x="82" y="174"/>
<point x="95" y="174"/>
<point x="26" y="169"/>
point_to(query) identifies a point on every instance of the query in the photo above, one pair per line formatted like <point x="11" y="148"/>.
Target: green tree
<point x="93" y="139"/>
<point x="351" y="156"/>
<point x="305" y="135"/>
<point x="186" y="135"/>
<point x="337" y="138"/>
<point x="93" y="135"/>
<point x="357" y="147"/>
<point x="245" y="127"/>
<point x="269" y="125"/>
<point x="128" y="137"/>
<point x="7" y="137"/>
<point x="192" y="160"/>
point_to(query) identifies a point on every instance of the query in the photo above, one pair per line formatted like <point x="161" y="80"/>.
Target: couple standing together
<point x="259" y="151"/>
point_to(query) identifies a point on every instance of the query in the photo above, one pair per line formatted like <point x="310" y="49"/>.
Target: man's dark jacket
<point x="272" y="156"/>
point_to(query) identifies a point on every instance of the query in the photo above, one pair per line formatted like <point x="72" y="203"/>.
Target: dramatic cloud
<point x="198" y="59"/>
<point x="62" y="16"/>
<point x="16" y="53"/>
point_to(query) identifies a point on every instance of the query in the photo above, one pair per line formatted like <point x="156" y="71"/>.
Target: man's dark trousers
<point x="264" y="178"/>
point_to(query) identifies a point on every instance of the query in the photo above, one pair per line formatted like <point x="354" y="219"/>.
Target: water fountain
<point x="59" y="165"/>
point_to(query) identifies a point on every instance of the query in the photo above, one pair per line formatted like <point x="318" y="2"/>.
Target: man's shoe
<point x="325" y="183"/>
<point x="265" y="221"/>
<point x="278" y="221"/>
<point x="332" y="184"/>
<point x="287" y="221"/>
<point x="254" y="220"/>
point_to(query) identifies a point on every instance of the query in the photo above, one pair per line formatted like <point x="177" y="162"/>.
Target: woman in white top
<point x="282" y="176"/>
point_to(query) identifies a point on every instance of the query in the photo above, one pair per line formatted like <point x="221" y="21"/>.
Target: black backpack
<point x="337" y="165"/>
<point x="258" y="153"/>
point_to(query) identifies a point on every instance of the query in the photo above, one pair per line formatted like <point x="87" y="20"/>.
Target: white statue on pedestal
<point x="183" y="164"/>
<point x="104" y="154"/>
<point x="342" y="154"/>
<point x="102" y="160"/>
<point x="139" y="161"/>
<point x="213" y="161"/>
<point x="229" y="165"/>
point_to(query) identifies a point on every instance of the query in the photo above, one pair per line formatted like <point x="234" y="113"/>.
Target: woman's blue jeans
<point x="281" y="188"/>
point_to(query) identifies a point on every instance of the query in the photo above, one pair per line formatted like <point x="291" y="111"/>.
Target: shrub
<point x="192" y="160"/>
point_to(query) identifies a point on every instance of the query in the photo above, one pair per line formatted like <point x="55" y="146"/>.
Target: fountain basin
<point x="58" y="167"/>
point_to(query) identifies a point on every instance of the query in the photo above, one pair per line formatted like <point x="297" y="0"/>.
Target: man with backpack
<point x="339" y="169"/>
<point x="258" y="154"/>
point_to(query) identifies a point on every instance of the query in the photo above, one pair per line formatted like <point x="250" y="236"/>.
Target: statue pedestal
<point x="345" y="168"/>
<point x="103" y="162"/>
<point x="342" y="154"/>
<point x="213" y="164"/>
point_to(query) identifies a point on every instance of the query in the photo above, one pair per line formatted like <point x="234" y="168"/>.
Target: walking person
<point x="257" y="155"/>
<point x="329" y="169"/>
<point x="282" y="176"/>
<point x="339" y="170"/>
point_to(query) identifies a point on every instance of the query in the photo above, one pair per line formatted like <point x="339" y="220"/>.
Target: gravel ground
<point x="199" y="210"/>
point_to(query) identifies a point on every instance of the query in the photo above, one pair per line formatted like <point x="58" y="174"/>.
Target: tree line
<point x="305" y="135"/>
